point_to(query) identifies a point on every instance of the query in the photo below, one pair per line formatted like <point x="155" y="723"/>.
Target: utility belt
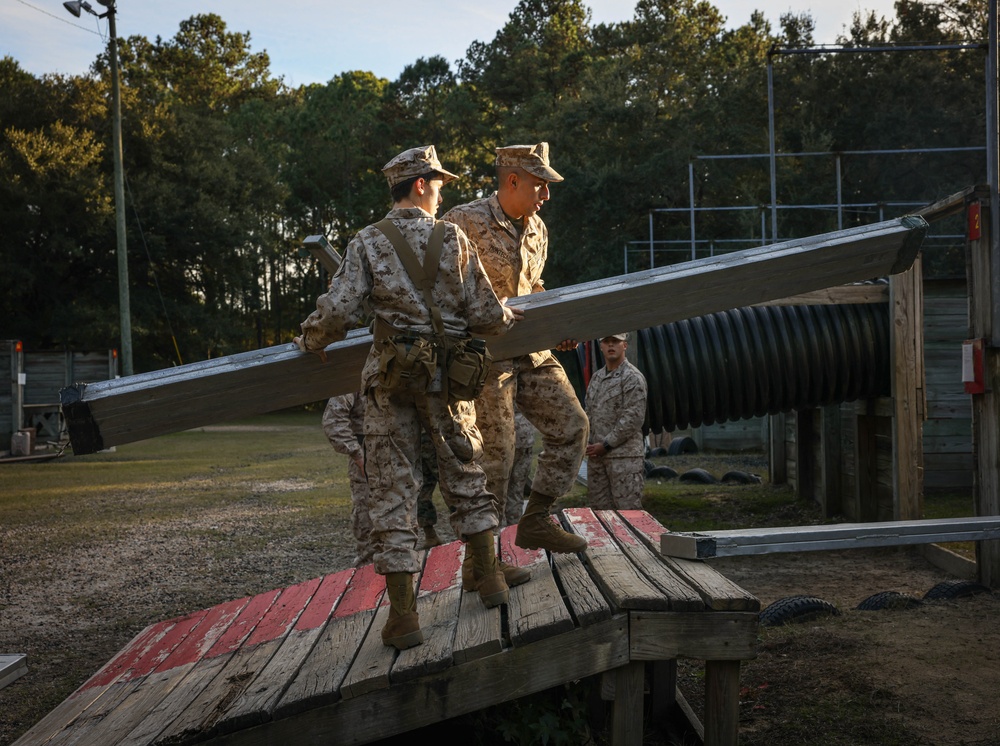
<point x="421" y="363"/>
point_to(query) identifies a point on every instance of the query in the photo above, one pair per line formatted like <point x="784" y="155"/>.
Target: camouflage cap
<point x="415" y="162"/>
<point x="623" y="337"/>
<point x="532" y="158"/>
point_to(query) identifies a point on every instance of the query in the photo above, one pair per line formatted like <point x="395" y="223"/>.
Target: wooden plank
<point x="907" y="356"/>
<point x="740" y="542"/>
<point x="103" y="414"/>
<point x="536" y="609"/>
<point x="260" y="699"/>
<point x="715" y="635"/>
<point x="205" y="713"/>
<point x="717" y="591"/>
<point x="680" y="595"/>
<point x="623" y="585"/>
<point x="868" y="293"/>
<point x="12" y="667"/>
<point x="438" y="600"/>
<point x="585" y="600"/>
<point x="102" y="683"/>
<point x="517" y="672"/>
<point x="319" y="679"/>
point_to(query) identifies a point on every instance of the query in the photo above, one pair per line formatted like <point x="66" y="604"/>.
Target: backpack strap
<point x="422" y="276"/>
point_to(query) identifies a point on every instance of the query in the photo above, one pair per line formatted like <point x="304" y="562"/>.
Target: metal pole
<point x="124" y="312"/>
<point x="650" y="239"/>
<point x="770" y="142"/>
<point x="993" y="173"/>
<point x="691" y="203"/>
<point x="840" y="198"/>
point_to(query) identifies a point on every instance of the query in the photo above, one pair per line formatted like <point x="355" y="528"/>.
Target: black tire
<point x="698" y="476"/>
<point x="740" y="477"/>
<point x="893" y="600"/>
<point x="681" y="445"/>
<point x="647" y="467"/>
<point x="658" y="451"/>
<point x="662" y="472"/>
<point x="948" y="589"/>
<point x="796" y="609"/>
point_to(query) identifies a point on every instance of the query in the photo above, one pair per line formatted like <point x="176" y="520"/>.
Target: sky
<point x="311" y="41"/>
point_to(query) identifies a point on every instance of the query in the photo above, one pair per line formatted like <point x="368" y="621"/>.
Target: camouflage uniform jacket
<point x="372" y="270"/>
<point x="344" y="423"/>
<point x="514" y="263"/>
<point x="616" y="407"/>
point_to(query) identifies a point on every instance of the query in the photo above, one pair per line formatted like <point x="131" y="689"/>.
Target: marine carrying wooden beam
<point x="109" y="413"/>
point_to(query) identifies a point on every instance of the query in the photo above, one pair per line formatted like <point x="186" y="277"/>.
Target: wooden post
<point x="985" y="409"/>
<point x="626" y="718"/>
<point x="909" y="406"/>
<point x="777" y="452"/>
<point x="722" y="703"/>
<point x="830" y="498"/>
<point x="662" y="690"/>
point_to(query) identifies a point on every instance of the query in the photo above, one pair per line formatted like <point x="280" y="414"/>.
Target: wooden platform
<point x="306" y="664"/>
<point x="107" y="413"/>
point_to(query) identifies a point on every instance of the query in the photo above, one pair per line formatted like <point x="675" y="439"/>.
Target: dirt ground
<point x="928" y="675"/>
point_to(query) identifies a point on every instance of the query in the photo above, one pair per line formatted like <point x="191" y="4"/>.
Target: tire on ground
<point x="796" y="609"/>
<point x="698" y="476"/>
<point x="888" y="600"/>
<point x="740" y="477"/>
<point x="681" y="445"/>
<point x="661" y="472"/>
<point x="948" y="589"/>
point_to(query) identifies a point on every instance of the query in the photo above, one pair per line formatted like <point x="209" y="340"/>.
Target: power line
<point x="59" y="18"/>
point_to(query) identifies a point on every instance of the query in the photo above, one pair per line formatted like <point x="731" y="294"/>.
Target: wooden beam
<point x="323" y="252"/>
<point x="108" y="413"/>
<point x="749" y="541"/>
<point x="871" y="293"/>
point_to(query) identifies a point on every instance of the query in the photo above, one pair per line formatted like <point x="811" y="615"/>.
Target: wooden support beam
<point x="100" y="415"/>
<point x="749" y="541"/>
<point x="844" y="294"/>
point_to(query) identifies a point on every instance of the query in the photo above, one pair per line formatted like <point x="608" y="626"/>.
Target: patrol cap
<point x="623" y="337"/>
<point x="532" y="158"/>
<point x="415" y="162"/>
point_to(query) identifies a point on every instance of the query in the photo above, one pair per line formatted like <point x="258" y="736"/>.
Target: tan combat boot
<point x="402" y="631"/>
<point x="536" y="530"/>
<point x="489" y="580"/>
<point x="431" y="538"/>
<point x="512" y="574"/>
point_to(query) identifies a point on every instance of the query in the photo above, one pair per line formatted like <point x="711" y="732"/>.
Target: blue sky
<point x="311" y="41"/>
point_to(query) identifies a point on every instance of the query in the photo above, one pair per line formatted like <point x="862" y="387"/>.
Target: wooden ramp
<point x="108" y="413"/>
<point x="306" y="664"/>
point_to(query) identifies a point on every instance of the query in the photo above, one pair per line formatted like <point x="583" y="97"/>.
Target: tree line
<point x="228" y="169"/>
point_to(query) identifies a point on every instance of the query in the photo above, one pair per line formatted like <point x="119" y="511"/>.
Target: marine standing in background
<point x="420" y="325"/>
<point x="616" y="406"/>
<point x="512" y="243"/>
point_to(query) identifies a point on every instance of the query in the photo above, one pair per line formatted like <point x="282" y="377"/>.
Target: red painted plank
<point x="362" y="594"/>
<point x="282" y="615"/>
<point x="167" y="644"/>
<point x="244" y="624"/>
<point x="618" y="529"/>
<point x="515" y="555"/>
<point x="443" y="568"/>
<point x="645" y="524"/>
<point x="586" y="524"/>
<point x="131" y="654"/>
<point x="197" y="644"/>
<point x="324" y="601"/>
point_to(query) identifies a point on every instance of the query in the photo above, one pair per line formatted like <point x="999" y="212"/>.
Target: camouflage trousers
<point x="615" y="483"/>
<point x="546" y="398"/>
<point x="393" y="421"/>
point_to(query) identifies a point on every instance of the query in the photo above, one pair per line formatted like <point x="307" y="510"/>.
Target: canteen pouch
<point x="406" y="363"/>
<point x="464" y="439"/>
<point x="468" y="366"/>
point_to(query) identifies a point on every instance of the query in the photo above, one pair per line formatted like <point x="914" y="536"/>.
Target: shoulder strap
<point x="423" y="276"/>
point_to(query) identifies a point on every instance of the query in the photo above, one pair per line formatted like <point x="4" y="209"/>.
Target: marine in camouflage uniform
<point x="372" y="270"/>
<point x="512" y="243"/>
<point x="616" y="406"/>
<point x="520" y="473"/>
<point x="343" y="424"/>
